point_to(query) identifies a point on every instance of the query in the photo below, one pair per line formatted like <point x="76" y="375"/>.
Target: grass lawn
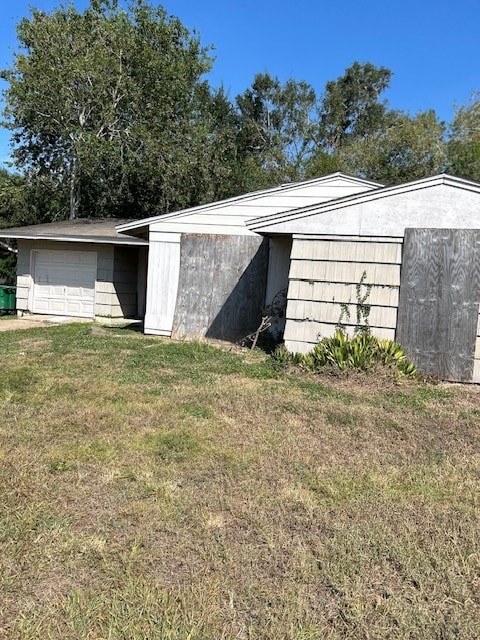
<point x="155" y="489"/>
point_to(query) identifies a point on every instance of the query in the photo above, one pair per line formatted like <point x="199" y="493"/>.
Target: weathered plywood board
<point x="439" y="301"/>
<point x="222" y="283"/>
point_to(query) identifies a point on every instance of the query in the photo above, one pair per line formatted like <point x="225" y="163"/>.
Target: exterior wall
<point x="125" y="274"/>
<point x="221" y="289"/>
<point x="142" y="281"/>
<point x="323" y="282"/>
<point x="24" y="277"/>
<point x="115" y="285"/>
<point x="104" y="289"/>
<point x="439" y="206"/>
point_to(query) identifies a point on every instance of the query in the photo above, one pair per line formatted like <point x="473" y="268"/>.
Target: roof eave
<point x="80" y="239"/>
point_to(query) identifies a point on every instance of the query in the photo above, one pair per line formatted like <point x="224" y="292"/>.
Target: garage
<point x="81" y="268"/>
<point x="64" y="282"/>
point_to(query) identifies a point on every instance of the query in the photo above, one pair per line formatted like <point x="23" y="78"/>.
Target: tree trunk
<point x="74" y="190"/>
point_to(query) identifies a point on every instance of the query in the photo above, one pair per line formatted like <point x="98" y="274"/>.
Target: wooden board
<point x="222" y="284"/>
<point x="439" y="300"/>
<point x="162" y="283"/>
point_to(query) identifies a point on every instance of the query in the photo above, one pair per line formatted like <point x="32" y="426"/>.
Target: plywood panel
<point x="439" y="301"/>
<point x="222" y="286"/>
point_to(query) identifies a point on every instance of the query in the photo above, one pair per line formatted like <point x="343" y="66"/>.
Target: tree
<point x="275" y="128"/>
<point x="350" y="108"/>
<point x="111" y="106"/>
<point x="464" y="144"/>
<point x="359" y="134"/>
<point x="404" y="149"/>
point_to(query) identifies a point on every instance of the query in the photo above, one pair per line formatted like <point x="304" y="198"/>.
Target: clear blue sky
<point x="432" y="46"/>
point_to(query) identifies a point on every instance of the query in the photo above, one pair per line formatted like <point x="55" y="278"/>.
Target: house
<point x="208" y="274"/>
<point x="197" y="272"/>
<point x="405" y="259"/>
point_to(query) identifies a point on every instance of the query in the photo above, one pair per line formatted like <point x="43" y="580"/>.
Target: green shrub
<point x="283" y="358"/>
<point x="362" y="351"/>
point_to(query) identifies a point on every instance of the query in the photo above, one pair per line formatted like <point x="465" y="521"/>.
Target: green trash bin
<point x="7" y="298"/>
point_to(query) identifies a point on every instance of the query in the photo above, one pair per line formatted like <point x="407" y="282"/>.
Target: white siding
<point x="229" y="217"/>
<point x="162" y="282"/>
<point x="324" y="280"/>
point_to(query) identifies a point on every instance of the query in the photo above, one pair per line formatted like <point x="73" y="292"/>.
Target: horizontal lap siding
<point x="323" y="281"/>
<point x="24" y="279"/>
<point x="229" y="218"/>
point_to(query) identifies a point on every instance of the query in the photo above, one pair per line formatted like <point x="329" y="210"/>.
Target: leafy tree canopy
<point x="464" y="145"/>
<point x="110" y="105"/>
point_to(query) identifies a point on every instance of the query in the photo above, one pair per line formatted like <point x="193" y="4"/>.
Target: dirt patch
<point x="13" y="323"/>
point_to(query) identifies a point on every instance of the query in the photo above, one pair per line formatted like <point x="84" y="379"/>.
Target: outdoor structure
<point x="404" y="259"/>
<point x="80" y="268"/>
<point x="209" y="275"/>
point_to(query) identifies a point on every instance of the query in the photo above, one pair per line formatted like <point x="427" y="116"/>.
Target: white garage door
<point x="64" y="283"/>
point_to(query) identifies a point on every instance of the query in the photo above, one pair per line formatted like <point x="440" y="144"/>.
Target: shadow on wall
<point x="241" y="312"/>
<point x="222" y="286"/>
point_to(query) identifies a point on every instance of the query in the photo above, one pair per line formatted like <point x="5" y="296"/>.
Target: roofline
<point x="123" y="228"/>
<point x="257" y="224"/>
<point x="82" y="239"/>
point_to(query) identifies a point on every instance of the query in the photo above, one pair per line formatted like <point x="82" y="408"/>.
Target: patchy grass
<point x="159" y="489"/>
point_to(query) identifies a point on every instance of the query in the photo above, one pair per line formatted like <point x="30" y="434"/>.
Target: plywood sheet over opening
<point x="439" y="301"/>
<point x="221" y="289"/>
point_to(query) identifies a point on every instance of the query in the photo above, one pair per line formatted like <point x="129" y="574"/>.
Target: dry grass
<point x="153" y="489"/>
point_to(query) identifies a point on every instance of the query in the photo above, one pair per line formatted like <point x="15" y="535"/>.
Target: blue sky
<point x="432" y="47"/>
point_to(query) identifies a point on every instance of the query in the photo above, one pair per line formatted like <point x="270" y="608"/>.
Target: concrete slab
<point x="11" y="323"/>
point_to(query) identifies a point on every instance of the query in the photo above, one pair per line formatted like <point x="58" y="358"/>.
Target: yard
<point x="153" y="489"/>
